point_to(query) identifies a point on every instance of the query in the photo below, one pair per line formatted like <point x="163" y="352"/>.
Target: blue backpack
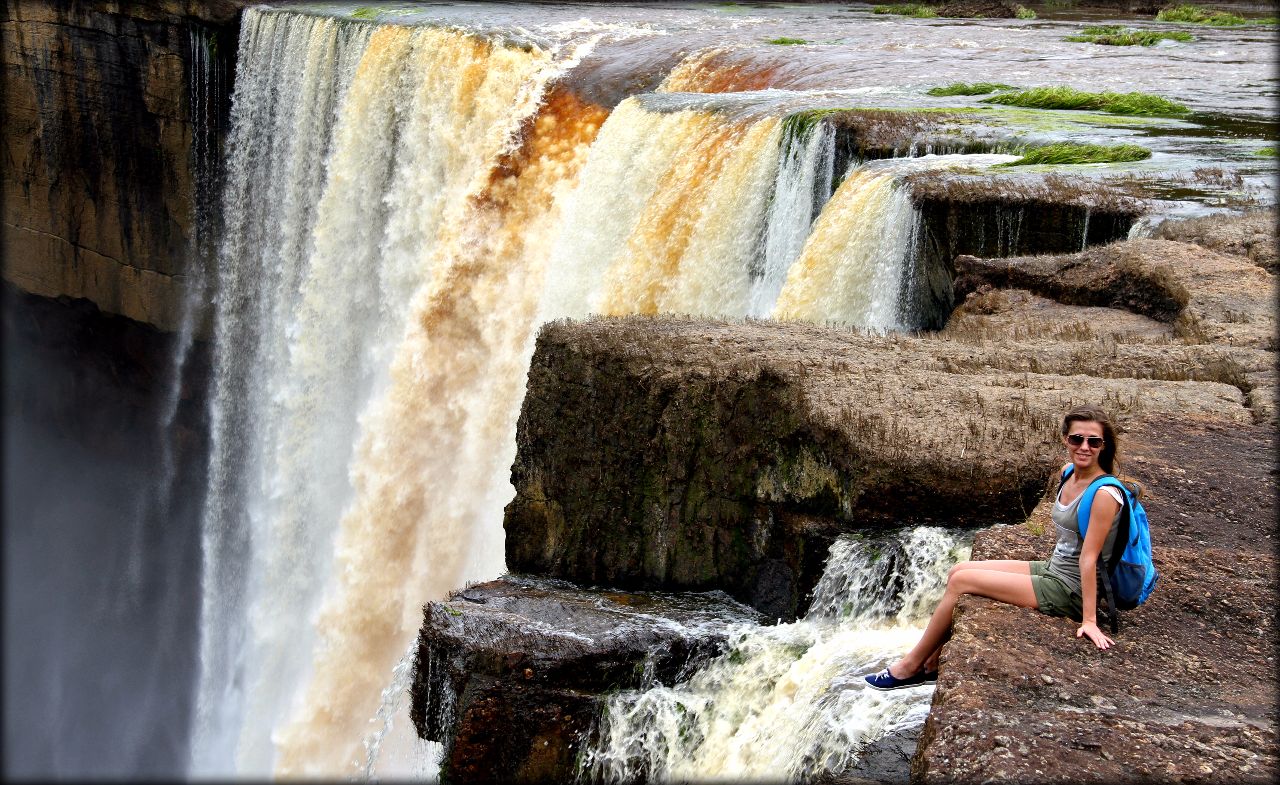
<point x="1129" y="576"/>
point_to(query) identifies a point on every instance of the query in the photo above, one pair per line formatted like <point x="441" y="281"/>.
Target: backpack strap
<point x="1122" y="535"/>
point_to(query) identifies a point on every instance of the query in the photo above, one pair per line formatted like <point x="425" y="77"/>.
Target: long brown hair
<point x="1089" y="413"/>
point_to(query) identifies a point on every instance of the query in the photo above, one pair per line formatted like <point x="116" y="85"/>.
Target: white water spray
<point x="788" y="700"/>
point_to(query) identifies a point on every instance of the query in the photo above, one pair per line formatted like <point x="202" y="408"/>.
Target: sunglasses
<point x="1077" y="439"/>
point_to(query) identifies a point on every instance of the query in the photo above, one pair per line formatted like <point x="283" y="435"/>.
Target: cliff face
<point x="111" y="114"/>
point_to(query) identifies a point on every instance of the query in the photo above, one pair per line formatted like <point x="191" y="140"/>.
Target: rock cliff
<point x="112" y="113"/>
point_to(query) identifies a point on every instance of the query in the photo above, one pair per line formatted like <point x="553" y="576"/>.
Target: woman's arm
<point x="1104" y="509"/>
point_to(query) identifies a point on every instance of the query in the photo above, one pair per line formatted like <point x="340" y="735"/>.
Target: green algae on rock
<point x="1070" y="98"/>
<point x="975" y="88"/>
<point x="1119" y="35"/>
<point x="1068" y="153"/>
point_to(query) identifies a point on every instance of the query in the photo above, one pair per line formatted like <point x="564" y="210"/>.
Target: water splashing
<point x="800" y="682"/>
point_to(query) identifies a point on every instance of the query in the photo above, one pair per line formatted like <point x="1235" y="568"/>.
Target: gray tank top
<point x="1065" y="562"/>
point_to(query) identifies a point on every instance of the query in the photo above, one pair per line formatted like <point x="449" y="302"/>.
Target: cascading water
<point x="800" y="191"/>
<point x="798" y="682"/>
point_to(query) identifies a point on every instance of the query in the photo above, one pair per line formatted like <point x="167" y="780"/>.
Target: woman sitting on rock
<point x="1066" y="585"/>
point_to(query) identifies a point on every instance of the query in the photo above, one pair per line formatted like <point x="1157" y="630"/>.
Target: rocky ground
<point x="1188" y="694"/>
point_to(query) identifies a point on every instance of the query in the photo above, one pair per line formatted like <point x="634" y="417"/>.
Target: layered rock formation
<point x="675" y="454"/>
<point x="111" y="115"/>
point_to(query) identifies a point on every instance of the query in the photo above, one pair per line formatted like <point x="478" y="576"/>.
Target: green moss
<point x="1266" y="152"/>
<point x="1071" y="153"/>
<point x="786" y="41"/>
<point x="976" y="88"/>
<point x="917" y="10"/>
<point x="799" y="124"/>
<point x="1188" y="13"/>
<point x="365" y="12"/>
<point x="1070" y="98"/>
<point x="1117" y="35"/>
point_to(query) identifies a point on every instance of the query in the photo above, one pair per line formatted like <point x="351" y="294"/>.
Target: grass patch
<point x="786" y="41"/>
<point x="365" y="12"/>
<point x="1188" y="13"/>
<point x="976" y="88"/>
<point x="916" y="10"/>
<point x="1070" y="98"/>
<point x="1022" y="12"/>
<point x="1266" y="152"/>
<point x="1071" y="153"/>
<point x="1116" y="35"/>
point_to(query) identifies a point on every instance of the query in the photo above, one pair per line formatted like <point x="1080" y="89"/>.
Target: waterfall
<point x="800" y="190"/>
<point x="850" y="269"/>
<point x="788" y="701"/>
<point x="403" y="205"/>
<point x="364" y="167"/>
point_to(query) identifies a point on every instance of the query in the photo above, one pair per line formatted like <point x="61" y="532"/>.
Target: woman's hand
<point x="1099" y="639"/>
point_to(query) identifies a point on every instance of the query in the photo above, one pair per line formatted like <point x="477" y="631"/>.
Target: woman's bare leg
<point x="999" y="565"/>
<point x="1011" y="587"/>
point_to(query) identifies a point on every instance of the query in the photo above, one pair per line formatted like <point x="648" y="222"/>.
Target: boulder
<point x="1212" y="297"/>
<point x="510" y="674"/>
<point x="1251" y="234"/>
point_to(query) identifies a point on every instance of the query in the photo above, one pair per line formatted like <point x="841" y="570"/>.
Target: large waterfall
<point x="404" y="205"/>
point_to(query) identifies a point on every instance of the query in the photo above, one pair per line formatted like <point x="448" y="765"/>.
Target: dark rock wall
<point x="101" y="131"/>
<point x="994" y="228"/>
<point x="653" y="481"/>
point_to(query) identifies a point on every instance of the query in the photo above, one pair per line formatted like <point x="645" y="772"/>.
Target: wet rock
<point x="510" y="674"/>
<point x="1101" y="277"/>
<point x="978" y="9"/>
<point x="996" y="217"/>
<point x="1207" y="296"/>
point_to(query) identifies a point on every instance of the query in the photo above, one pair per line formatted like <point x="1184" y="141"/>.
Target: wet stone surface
<point x="510" y="673"/>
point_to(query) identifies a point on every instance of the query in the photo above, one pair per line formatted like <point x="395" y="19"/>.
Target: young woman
<point x="1066" y="585"/>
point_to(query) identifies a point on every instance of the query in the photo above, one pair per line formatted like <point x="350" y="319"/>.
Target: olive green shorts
<point x="1053" y="597"/>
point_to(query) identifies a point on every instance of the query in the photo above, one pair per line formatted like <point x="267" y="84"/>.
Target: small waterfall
<point x="667" y="216"/>
<point x="800" y="191"/>
<point x="850" y="269"/>
<point x="798" y="682"/>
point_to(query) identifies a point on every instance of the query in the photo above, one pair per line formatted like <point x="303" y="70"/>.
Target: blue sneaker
<point x="884" y="680"/>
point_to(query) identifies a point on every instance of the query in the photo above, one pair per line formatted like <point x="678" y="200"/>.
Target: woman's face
<point x="1084" y="455"/>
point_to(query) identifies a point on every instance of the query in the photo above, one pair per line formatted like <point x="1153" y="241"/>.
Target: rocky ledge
<point x="674" y="454"/>
<point x="511" y="674"/>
